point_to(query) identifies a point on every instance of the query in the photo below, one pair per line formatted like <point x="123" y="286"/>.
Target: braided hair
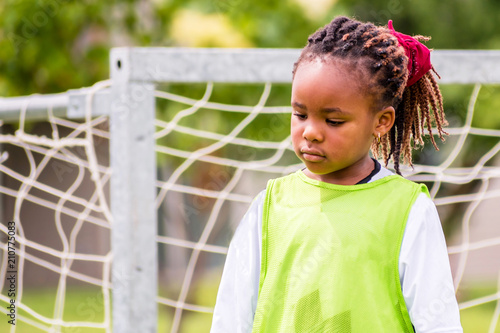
<point x="375" y="50"/>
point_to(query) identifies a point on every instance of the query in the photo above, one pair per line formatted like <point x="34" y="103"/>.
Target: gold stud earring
<point x="378" y="138"/>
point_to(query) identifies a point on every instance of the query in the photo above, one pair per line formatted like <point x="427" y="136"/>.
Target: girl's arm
<point x="239" y="286"/>
<point x="425" y="273"/>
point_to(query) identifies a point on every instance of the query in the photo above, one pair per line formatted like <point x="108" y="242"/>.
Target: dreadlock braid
<point x="376" y="52"/>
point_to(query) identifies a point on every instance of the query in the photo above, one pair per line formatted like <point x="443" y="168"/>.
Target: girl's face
<point x="333" y="124"/>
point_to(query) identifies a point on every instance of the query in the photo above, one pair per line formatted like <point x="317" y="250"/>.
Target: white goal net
<point x="221" y="131"/>
<point x="55" y="258"/>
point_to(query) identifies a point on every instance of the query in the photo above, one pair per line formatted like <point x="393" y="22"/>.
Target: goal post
<point x="144" y="199"/>
<point x="133" y="193"/>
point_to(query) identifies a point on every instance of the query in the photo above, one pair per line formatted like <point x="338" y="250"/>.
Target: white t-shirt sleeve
<point x="238" y="290"/>
<point x="425" y="273"/>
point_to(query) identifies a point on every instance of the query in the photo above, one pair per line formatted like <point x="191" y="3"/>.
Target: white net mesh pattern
<point x="63" y="190"/>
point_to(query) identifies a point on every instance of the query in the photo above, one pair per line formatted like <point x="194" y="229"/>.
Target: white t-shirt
<point x="424" y="272"/>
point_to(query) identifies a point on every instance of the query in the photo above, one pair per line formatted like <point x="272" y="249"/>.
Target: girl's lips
<point x="312" y="155"/>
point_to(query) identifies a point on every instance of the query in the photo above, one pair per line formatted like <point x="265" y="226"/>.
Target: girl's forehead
<point x="349" y="69"/>
<point x="328" y="74"/>
<point x="324" y="71"/>
<point x="323" y="84"/>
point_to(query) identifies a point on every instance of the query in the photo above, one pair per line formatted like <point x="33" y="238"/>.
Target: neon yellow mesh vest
<point x="330" y="256"/>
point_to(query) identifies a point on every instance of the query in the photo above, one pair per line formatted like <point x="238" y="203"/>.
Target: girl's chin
<point x="316" y="170"/>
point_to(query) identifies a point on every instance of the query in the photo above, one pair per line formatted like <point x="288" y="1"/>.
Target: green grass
<point x="80" y="305"/>
<point x="87" y="305"/>
<point x="478" y="318"/>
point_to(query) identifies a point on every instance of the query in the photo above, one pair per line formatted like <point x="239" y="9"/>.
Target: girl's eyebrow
<point x="334" y="110"/>
<point x="325" y="110"/>
<point x="299" y="105"/>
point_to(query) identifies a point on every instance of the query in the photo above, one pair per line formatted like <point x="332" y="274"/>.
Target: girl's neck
<point x="350" y="175"/>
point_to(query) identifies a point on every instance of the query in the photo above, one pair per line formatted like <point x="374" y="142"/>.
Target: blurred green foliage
<point x="463" y="24"/>
<point x="54" y="45"/>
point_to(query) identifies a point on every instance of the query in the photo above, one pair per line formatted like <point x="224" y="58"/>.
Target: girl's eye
<point x="300" y="116"/>
<point x="334" y="122"/>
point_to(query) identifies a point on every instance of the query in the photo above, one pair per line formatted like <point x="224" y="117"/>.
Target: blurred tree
<point x="53" y="45"/>
<point x="464" y="24"/>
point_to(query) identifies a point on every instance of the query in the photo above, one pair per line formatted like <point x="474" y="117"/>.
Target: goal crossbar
<point x="190" y="65"/>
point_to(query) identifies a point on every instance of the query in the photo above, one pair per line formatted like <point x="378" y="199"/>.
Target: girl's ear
<point x="384" y="120"/>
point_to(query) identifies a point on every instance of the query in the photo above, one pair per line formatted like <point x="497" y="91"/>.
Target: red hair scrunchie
<point x="419" y="56"/>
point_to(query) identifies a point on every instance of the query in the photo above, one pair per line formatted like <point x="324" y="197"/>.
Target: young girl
<point x="345" y="245"/>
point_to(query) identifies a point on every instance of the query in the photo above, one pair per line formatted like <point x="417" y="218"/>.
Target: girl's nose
<point x="312" y="133"/>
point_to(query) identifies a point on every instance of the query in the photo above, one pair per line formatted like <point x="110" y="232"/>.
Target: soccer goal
<point x="118" y="201"/>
